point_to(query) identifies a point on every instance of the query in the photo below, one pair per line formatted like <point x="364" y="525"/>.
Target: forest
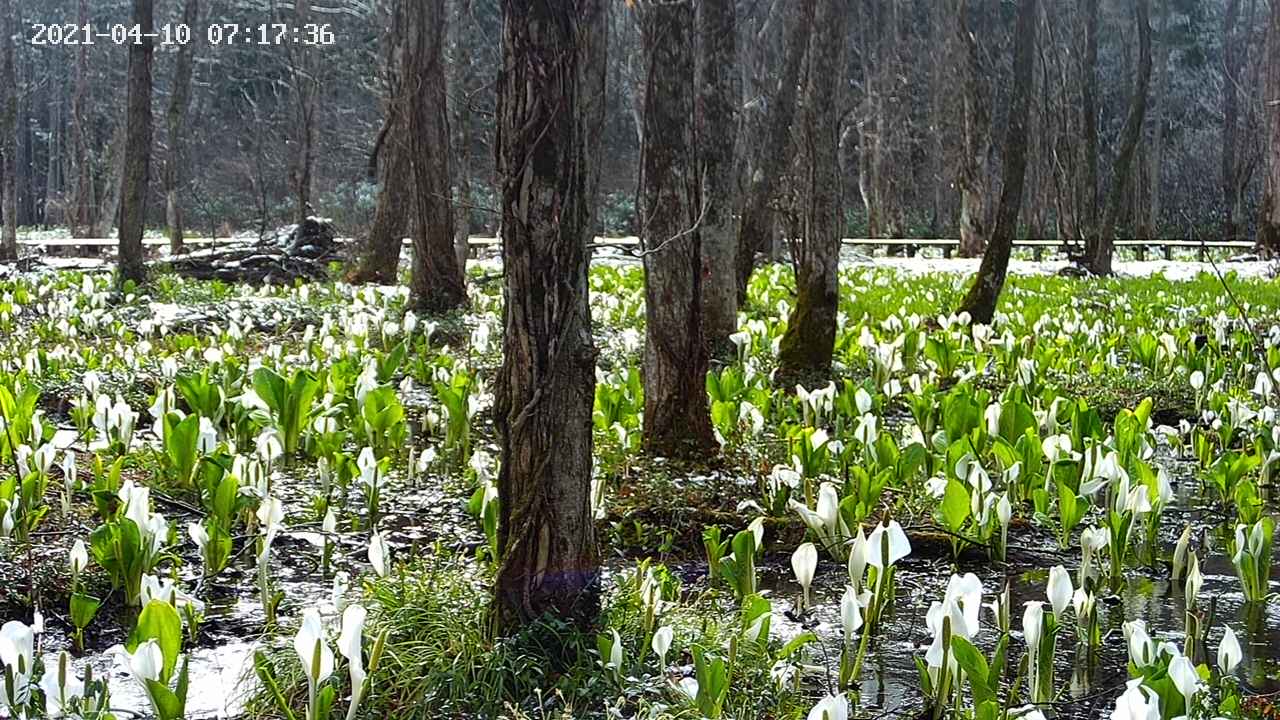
<point x="639" y="359"/>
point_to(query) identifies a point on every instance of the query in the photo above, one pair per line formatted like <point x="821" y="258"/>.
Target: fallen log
<point x="291" y="253"/>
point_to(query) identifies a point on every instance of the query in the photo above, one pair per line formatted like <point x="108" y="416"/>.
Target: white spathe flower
<point x="1057" y="447"/>
<point x="1229" y="652"/>
<point x="1059" y="590"/>
<point x="17" y="654"/>
<point x="60" y="684"/>
<point x="1183" y="673"/>
<point x="78" y="558"/>
<point x="615" y="651"/>
<point x="1197" y="380"/>
<point x="661" y="643"/>
<point x="1142" y="649"/>
<point x="1033" y="624"/>
<point x="887" y="544"/>
<point x="804" y="561"/>
<point x="314" y="654"/>
<point x="146" y="662"/>
<point x="198" y="535"/>
<point x="379" y="554"/>
<point x="1137" y="703"/>
<point x="858" y="555"/>
<point x="850" y="613"/>
<point x="831" y="707"/>
<point x="166" y="591"/>
<point x="350" y="640"/>
<point x="1195" y="580"/>
<point x="368" y="465"/>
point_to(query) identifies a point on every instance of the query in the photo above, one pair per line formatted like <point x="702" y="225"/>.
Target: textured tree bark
<point x="1101" y="243"/>
<point x="1231" y="59"/>
<point x="81" y="218"/>
<point x="972" y="177"/>
<point x="8" y="138"/>
<point x="108" y="209"/>
<point x="810" y="338"/>
<point x="437" y="283"/>
<point x="1160" y="91"/>
<point x="305" y="82"/>
<point x="550" y="110"/>
<point x="719" y="94"/>
<point x="461" y="43"/>
<point x="775" y="148"/>
<point x="980" y="301"/>
<point x="1269" y="224"/>
<point x="178" y="101"/>
<point x="137" y="154"/>
<point x="677" y="419"/>
<point x="1089" y="115"/>
<point x="378" y="260"/>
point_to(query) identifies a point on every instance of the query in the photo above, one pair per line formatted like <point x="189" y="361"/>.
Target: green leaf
<point x="83" y="609"/>
<point x="795" y="644"/>
<point x="955" y="506"/>
<point x="159" y="621"/>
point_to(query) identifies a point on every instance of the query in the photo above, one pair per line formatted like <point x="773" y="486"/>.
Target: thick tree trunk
<point x="1101" y="245"/>
<point x="137" y="155"/>
<point x="379" y="259"/>
<point x="8" y="137"/>
<point x="178" y="101"/>
<point x="774" y="151"/>
<point x="809" y="341"/>
<point x="677" y="420"/>
<point x="972" y="177"/>
<point x="437" y="284"/>
<point x="1269" y="223"/>
<point x="551" y="94"/>
<point x="719" y="94"/>
<point x="980" y="301"/>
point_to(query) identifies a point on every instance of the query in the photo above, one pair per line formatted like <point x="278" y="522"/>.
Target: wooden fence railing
<point x="909" y="245"/>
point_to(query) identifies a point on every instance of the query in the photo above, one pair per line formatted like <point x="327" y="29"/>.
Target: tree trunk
<point x="809" y="341"/>
<point x="178" y="101"/>
<point x="305" y="87"/>
<point x="1089" y="115"/>
<point x="1269" y="224"/>
<point x="677" y="419"/>
<point x="980" y="301"/>
<point x="1101" y="244"/>
<point x="8" y="137"/>
<point x="551" y="95"/>
<point x="719" y="94"/>
<point x="137" y="155"/>
<point x="462" y="42"/>
<point x="108" y="209"/>
<point x="80" y="219"/>
<point x="1231" y="59"/>
<point x="437" y="284"/>
<point x="774" y="148"/>
<point x="972" y="177"/>
<point x="378" y="260"/>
